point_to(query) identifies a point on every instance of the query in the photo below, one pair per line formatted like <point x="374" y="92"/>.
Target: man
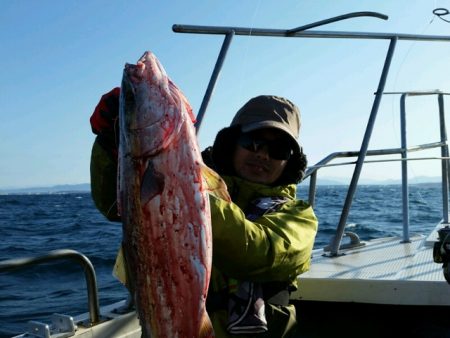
<point x="262" y="239"/>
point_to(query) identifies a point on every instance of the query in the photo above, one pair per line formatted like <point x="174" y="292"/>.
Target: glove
<point x="104" y="122"/>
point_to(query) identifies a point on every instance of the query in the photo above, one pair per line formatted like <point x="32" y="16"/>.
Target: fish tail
<point x="206" y="328"/>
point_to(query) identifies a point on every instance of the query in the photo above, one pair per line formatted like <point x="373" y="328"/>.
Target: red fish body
<point x="163" y="203"/>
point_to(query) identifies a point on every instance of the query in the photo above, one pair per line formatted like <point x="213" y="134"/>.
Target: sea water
<point x="34" y="224"/>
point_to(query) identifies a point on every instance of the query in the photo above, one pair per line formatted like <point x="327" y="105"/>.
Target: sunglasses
<point x="278" y="149"/>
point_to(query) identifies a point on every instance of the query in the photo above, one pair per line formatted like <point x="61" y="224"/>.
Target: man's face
<point x="261" y="155"/>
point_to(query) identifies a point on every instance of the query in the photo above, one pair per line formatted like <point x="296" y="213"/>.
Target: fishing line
<point x="246" y="49"/>
<point x="407" y="54"/>
<point x="437" y="12"/>
<point x="440" y="12"/>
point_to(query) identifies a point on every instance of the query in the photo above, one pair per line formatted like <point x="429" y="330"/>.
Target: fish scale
<point x="164" y="204"/>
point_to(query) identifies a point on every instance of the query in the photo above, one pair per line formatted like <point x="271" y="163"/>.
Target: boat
<point x="354" y="288"/>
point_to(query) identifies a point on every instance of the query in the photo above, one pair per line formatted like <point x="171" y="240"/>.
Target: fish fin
<point x="119" y="270"/>
<point x="215" y="183"/>
<point x="152" y="183"/>
<point x="189" y="109"/>
<point x="178" y="94"/>
<point x="206" y="328"/>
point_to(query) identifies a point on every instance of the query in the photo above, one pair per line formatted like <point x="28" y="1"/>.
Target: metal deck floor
<point x="384" y="271"/>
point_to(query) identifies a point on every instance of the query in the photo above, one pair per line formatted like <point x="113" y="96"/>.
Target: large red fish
<point x="163" y="204"/>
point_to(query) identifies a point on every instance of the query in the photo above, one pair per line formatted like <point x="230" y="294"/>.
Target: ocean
<point x="34" y="224"/>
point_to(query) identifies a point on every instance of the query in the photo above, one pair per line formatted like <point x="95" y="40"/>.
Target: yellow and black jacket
<point x="262" y="240"/>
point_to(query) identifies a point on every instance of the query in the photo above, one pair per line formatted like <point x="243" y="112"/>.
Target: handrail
<point x="363" y="150"/>
<point x="335" y="19"/>
<point x="273" y="32"/>
<point x="300" y="32"/>
<point x="304" y="32"/>
<point x="403" y="151"/>
<point x="91" y="281"/>
<point x="377" y="152"/>
<point x="212" y="82"/>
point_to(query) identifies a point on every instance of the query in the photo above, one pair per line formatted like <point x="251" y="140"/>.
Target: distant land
<point x="86" y="187"/>
<point x="364" y="181"/>
<point x="62" y="188"/>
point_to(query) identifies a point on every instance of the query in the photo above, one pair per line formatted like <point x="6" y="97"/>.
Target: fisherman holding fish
<point x="263" y="238"/>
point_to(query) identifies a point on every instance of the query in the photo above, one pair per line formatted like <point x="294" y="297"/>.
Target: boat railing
<point x="303" y="31"/>
<point x="312" y="171"/>
<point x="64" y="254"/>
<point x="306" y="32"/>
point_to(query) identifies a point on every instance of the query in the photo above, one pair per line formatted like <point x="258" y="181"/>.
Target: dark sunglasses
<point x="279" y="149"/>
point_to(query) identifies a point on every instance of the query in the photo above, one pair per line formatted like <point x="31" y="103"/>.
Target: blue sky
<point x="59" y="57"/>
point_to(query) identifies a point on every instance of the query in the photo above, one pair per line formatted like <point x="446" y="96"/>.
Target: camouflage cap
<point x="269" y="111"/>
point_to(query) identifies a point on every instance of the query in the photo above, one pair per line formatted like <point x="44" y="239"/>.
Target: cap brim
<point x="271" y="124"/>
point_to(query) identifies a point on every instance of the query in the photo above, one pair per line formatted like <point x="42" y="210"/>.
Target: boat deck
<point x="383" y="271"/>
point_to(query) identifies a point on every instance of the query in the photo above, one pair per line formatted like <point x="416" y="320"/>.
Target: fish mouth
<point x="135" y="72"/>
<point x="134" y="82"/>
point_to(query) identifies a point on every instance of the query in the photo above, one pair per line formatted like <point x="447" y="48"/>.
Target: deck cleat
<point x="62" y="326"/>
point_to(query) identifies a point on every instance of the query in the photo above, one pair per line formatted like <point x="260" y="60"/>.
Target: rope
<point x="440" y="12"/>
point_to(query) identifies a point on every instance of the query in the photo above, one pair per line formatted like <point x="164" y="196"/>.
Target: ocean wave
<point x="35" y="224"/>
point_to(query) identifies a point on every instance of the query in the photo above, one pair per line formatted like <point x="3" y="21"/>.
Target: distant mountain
<point x="86" y="187"/>
<point x="63" y="188"/>
<point x="331" y="181"/>
<point x="346" y="181"/>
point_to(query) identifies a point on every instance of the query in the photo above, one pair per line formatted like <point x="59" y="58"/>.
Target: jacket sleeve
<point x="276" y="247"/>
<point x="103" y="169"/>
<point x="103" y="165"/>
